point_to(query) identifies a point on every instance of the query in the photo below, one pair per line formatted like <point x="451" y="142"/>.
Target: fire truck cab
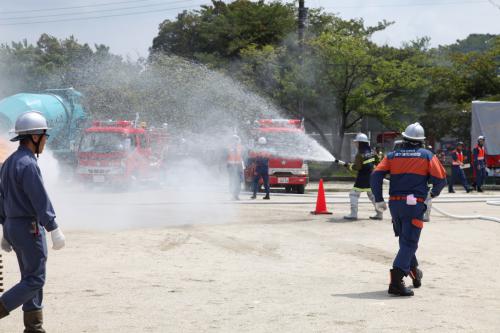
<point x="285" y="171"/>
<point x="119" y="153"/>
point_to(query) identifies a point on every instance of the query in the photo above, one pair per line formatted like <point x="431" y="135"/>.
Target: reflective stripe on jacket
<point x="457" y="157"/>
<point x="235" y="154"/>
<point x="410" y="168"/>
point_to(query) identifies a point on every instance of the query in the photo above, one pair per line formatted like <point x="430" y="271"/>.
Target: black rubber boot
<point x="416" y="276"/>
<point x="266" y="197"/>
<point x="253" y="197"/>
<point x="3" y="311"/>
<point x="479" y="189"/>
<point x="397" y="285"/>
<point x="33" y="321"/>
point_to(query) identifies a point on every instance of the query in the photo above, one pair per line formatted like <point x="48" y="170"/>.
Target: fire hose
<point x="444" y="213"/>
<point x="460" y="217"/>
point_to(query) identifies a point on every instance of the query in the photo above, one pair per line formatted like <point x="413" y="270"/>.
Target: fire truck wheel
<point x="300" y="189"/>
<point x="288" y="189"/>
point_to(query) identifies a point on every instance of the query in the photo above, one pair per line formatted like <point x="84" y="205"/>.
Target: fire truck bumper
<point x="281" y="181"/>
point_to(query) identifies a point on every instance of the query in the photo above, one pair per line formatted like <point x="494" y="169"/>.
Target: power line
<point x="494" y="3"/>
<point x="99" y="17"/>
<point x="72" y="7"/>
<point x="411" y="4"/>
<point x="92" y="11"/>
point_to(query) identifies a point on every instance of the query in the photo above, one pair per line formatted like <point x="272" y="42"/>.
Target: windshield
<point x="291" y="144"/>
<point x="284" y="140"/>
<point x="98" y="142"/>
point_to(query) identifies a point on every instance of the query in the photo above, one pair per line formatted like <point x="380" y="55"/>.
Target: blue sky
<point x="443" y="20"/>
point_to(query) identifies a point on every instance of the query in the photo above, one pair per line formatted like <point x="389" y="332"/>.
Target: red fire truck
<point x="284" y="171"/>
<point x="120" y="153"/>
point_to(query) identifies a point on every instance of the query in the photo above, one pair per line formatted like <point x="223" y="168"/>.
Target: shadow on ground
<point x="378" y="295"/>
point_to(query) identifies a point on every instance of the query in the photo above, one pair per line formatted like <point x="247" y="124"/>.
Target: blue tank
<point x="61" y="107"/>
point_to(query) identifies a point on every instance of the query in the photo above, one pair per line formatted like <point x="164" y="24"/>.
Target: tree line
<point x="337" y="79"/>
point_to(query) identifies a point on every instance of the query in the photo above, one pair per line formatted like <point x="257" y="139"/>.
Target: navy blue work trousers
<point x="457" y="173"/>
<point x="480" y="173"/>
<point x="264" y="174"/>
<point x="31" y="252"/>
<point x="407" y="224"/>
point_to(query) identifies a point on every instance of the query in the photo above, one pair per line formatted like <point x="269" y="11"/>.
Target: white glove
<point x="380" y="206"/>
<point x="58" y="239"/>
<point x="6" y="245"/>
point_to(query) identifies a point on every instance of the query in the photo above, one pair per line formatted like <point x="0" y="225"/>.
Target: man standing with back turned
<point x="25" y="213"/>
<point x="410" y="167"/>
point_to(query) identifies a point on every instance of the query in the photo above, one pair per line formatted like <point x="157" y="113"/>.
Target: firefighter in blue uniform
<point x="261" y="168"/>
<point x="478" y="154"/>
<point x="457" y="162"/>
<point x="26" y="214"/>
<point x="411" y="168"/>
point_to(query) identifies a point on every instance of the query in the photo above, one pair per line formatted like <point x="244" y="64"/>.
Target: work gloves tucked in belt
<point x="6" y="245"/>
<point x="58" y="239"/>
<point x="380" y="206"/>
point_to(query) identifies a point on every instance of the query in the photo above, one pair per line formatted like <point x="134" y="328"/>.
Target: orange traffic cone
<point x="321" y="201"/>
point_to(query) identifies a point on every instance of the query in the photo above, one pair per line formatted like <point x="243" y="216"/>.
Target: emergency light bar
<point x="296" y="123"/>
<point x="112" y="123"/>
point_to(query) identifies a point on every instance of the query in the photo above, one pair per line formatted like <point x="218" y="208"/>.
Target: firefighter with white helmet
<point x="411" y="168"/>
<point x="260" y="161"/>
<point x="479" y="161"/>
<point x="364" y="163"/>
<point x="26" y="213"/>
<point x="457" y="163"/>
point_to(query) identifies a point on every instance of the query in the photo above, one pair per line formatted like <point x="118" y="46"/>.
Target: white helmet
<point x="481" y="137"/>
<point x="31" y="122"/>
<point x="414" y="132"/>
<point x="236" y="139"/>
<point x="361" y="137"/>
<point x="262" y="140"/>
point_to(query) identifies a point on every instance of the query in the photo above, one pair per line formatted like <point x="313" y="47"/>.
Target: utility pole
<point x="301" y="30"/>
<point x="302" y="23"/>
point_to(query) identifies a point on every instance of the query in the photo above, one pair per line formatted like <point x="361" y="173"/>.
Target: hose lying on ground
<point x="465" y="217"/>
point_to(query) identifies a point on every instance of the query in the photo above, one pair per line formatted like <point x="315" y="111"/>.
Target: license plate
<point x="283" y="180"/>
<point x="98" y="179"/>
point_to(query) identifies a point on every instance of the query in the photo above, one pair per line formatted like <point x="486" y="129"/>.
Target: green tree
<point x="218" y="32"/>
<point x="342" y="78"/>
<point x="464" y="76"/>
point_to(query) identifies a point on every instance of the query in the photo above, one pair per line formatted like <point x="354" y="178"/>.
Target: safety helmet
<point x="361" y="137"/>
<point x="262" y="140"/>
<point x="414" y="132"/>
<point x="481" y="137"/>
<point x="31" y="122"/>
<point x="460" y="143"/>
<point x="236" y="139"/>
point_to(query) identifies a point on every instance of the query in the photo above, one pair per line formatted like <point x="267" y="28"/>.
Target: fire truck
<point x="120" y="153"/>
<point x="285" y="171"/>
